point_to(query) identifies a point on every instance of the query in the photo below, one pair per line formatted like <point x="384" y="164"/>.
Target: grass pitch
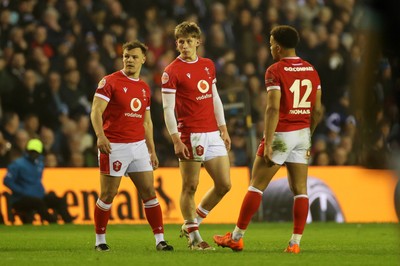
<point x="322" y="244"/>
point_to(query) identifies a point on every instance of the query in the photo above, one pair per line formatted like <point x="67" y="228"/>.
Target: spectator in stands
<point x="75" y="30"/>
<point x="21" y="140"/>
<point x="24" y="179"/>
<point x="320" y="158"/>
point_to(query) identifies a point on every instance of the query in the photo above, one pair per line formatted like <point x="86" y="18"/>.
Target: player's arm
<point x="168" y="100"/>
<point x="11" y="180"/>
<point x="316" y="112"/>
<point x="96" y="116"/>
<point x="220" y="117"/>
<point x="271" y="120"/>
<point x="148" y="133"/>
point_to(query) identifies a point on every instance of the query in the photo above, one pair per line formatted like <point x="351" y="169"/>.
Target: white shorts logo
<point x="203" y="86"/>
<point x="136" y="104"/>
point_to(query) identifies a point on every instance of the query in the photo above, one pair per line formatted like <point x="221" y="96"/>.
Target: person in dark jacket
<point x="24" y="179"/>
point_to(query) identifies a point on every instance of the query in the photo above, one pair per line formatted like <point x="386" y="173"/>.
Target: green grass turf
<point x="322" y="244"/>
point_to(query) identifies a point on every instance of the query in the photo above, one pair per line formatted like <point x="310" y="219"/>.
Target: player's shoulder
<point x="174" y="64"/>
<point x="274" y="67"/>
<point x="112" y="77"/>
<point x="109" y="79"/>
<point x="205" y="60"/>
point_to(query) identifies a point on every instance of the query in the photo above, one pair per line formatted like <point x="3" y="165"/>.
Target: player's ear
<point x="144" y="59"/>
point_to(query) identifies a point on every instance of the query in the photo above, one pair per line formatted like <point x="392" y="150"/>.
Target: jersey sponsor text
<point x="298" y="69"/>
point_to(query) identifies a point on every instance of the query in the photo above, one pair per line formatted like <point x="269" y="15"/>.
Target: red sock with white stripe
<point x="201" y="214"/>
<point x="193" y="229"/>
<point x="154" y="215"/>
<point x="300" y="213"/>
<point x="102" y="212"/>
<point x="250" y="205"/>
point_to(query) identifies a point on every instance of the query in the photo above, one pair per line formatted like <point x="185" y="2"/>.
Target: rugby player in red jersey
<point x="194" y="117"/>
<point x="122" y="122"/>
<point x="292" y="113"/>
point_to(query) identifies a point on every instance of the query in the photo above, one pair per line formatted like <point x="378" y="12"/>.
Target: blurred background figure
<point x="28" y="196"/>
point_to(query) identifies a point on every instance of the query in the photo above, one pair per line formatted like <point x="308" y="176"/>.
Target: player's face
<point x="133" y="60"/>
<point x="187" y="47"/>
<point x="275" y="48"/>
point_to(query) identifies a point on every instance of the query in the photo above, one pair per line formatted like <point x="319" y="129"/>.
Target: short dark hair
<point x="286" y="36"/>
<point x="135" y="44"/>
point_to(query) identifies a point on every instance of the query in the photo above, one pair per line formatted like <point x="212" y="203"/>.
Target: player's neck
<point x="288" y="53"/>
<point x="130" y="74"/>
<point x="188" y="58"/>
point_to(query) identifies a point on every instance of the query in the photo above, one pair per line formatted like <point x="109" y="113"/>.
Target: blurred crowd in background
<point x="53" y="53"/>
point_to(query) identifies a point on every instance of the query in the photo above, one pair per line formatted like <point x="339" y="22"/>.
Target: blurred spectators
<point x="53" y="54"/>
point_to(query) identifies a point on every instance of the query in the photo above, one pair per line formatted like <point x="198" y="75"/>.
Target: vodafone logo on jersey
<point x="203" y="86"/>
<point x="136" y="104"/>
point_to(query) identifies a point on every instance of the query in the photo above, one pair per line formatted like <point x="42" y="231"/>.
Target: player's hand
<point x="103" y="144"/>
<point x="154" y="161"/>
<point x="181" y="151"/>
<point x="227" y="140"/>
<point x="268" y="155"/>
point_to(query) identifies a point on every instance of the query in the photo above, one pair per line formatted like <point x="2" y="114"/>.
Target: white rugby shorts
<point x="125" y="158"/>
<point x="291" y="147"/>
<point x="204" y="146"/>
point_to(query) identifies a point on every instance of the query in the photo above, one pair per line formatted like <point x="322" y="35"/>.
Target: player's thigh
<point x="144" y="182"/>
<point x="297" y="177"/>
<point x="219" y="170"/>
<point x="262" y="173"/>
<point x="109" y="185"/>
<point x="190" y="172"/>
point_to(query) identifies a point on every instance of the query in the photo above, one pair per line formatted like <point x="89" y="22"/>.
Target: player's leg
<point x="108" y="190"/>
<point x="297" y="175"/>
<point x="190" y="172"/>
<point x="144" y="182"/>
<point x="262" y="174"/>
<point x="216" y="163"/>
<point x="219" y="170"/>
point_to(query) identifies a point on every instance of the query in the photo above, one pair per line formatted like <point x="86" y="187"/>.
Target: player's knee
<point x="222" y="189"/>
<point x="189" y="189"/>
<point x="108" y="196"/>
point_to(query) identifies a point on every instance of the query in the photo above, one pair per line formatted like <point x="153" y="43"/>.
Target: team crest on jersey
<point x="144" y="93"/>
<point x="203" y="86"/>
<point x="101" y="84"/>
<point x="199" y="150"/>
<point x="164" y="78"/>
<point x="117" y="166"/>
<point x="136" y="104"/>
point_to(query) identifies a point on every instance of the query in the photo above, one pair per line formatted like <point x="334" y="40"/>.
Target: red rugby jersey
<point x="128" y="99"/>
<point x="298" y="82"/>
<point x="192" y="83"/>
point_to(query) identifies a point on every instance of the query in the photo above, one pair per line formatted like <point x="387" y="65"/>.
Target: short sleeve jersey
<point x="298" y="82"/>
<point x="128" y="99"/>
<point x="192" y="83"/>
